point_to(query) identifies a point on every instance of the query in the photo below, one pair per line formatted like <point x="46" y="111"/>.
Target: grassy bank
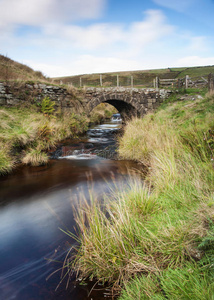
<point x="27" y="134"/>
<point x="157" y="242"/>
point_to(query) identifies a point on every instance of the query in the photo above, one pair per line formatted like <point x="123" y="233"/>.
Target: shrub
<point x="47" y="106"/>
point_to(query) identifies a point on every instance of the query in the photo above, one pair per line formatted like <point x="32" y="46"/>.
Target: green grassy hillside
<point x="144" y="77"/>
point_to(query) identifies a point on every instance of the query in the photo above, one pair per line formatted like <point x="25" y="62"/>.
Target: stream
<point x="36" y="202"/>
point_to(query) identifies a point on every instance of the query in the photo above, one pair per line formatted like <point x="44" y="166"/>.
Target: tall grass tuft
<point x="6" y="162"/>
<point x="130" y="234"/>
<point x="110" y="247"/>
<point x="35" y="157"/>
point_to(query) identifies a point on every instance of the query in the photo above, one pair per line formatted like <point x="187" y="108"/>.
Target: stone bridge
<point x="128" y="101"/>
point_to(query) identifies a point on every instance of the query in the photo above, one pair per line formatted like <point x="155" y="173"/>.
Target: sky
<point x="72" y="37"/>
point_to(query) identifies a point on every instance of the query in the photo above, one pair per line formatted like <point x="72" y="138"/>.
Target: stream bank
<point x="28" y="132"/>
<point x="36" y="202"/>
<point x="152" y="241"/>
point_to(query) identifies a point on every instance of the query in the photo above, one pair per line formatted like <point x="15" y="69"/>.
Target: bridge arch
<point x="124" y="103"/>
<point x="128" y="101"/>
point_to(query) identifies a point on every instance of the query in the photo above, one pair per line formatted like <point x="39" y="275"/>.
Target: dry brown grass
<point x="12" y="70"/>
<point x="35" y="157"/>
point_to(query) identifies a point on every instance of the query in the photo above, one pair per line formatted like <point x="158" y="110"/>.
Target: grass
<point x="141" y="77"/>
<point x="35" y="157"/>
<point x="191" y="282"/>
<point x="6" y="161"/>
<point x="26" y="135"/>
<point x="157" y="243"/>
<point x="197" y="71"/>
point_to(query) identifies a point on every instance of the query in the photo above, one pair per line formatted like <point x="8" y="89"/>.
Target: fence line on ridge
<point x="137" y="80"/>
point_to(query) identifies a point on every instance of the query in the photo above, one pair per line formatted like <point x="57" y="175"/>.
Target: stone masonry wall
<point x="143" y="100"/>
<point x="12" y="94"/>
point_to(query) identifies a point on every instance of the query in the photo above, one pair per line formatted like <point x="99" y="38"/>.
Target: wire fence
<point x="109" y="81"/>
<point x="136" y="80"/>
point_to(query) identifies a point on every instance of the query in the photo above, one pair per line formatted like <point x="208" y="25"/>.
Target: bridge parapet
<point x="126" y="100"/>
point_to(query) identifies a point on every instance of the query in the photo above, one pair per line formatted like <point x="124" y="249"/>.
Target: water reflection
<point x="35" y="204"/>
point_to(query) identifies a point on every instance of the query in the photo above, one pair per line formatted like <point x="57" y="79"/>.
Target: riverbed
<point x="36" y="204"/>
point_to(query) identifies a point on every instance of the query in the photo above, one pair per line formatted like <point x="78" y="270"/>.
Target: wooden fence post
<point x="80" y="81"/>
<point x="157" y="82"/>
<point x="211" y="82"/>
<point x="101" y="81"/>
<point x="180" y="83"/>
<point x="132" y="81"/>
<point x="118" y="80"/>
<point x="186" y="81"/>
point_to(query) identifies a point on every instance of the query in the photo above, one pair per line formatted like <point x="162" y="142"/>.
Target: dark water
<point x="36" y="202"/>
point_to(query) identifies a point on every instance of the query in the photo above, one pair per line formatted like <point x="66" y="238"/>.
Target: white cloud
<point x="62" y="48"/>
<point x="53" y="69"/>
<point x="41" y="12"/>
<point x="113" y="47"/>
<point x="138" y="35"/>
<point x="102" y="64"/>
<point x="100" y="47"/>
<point x="84" y="64"/>
<point x="195" y="61"/>
<point x="91" y="37"/>
<point x="153" y="28"/>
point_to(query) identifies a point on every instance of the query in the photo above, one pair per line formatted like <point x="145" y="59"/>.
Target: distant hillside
<point x="12" y="70"/>
<point x="144" y="77"/>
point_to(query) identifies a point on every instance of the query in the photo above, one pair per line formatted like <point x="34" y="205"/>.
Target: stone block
<point x="8" y="96"/>
<point x="29" y="86"/>
<point x="120" y="97"/>
<point x="13" y="101"/>
<point x="2" y="101"/>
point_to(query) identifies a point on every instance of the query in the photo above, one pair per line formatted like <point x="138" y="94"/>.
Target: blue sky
<point x="69" y="37"/>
